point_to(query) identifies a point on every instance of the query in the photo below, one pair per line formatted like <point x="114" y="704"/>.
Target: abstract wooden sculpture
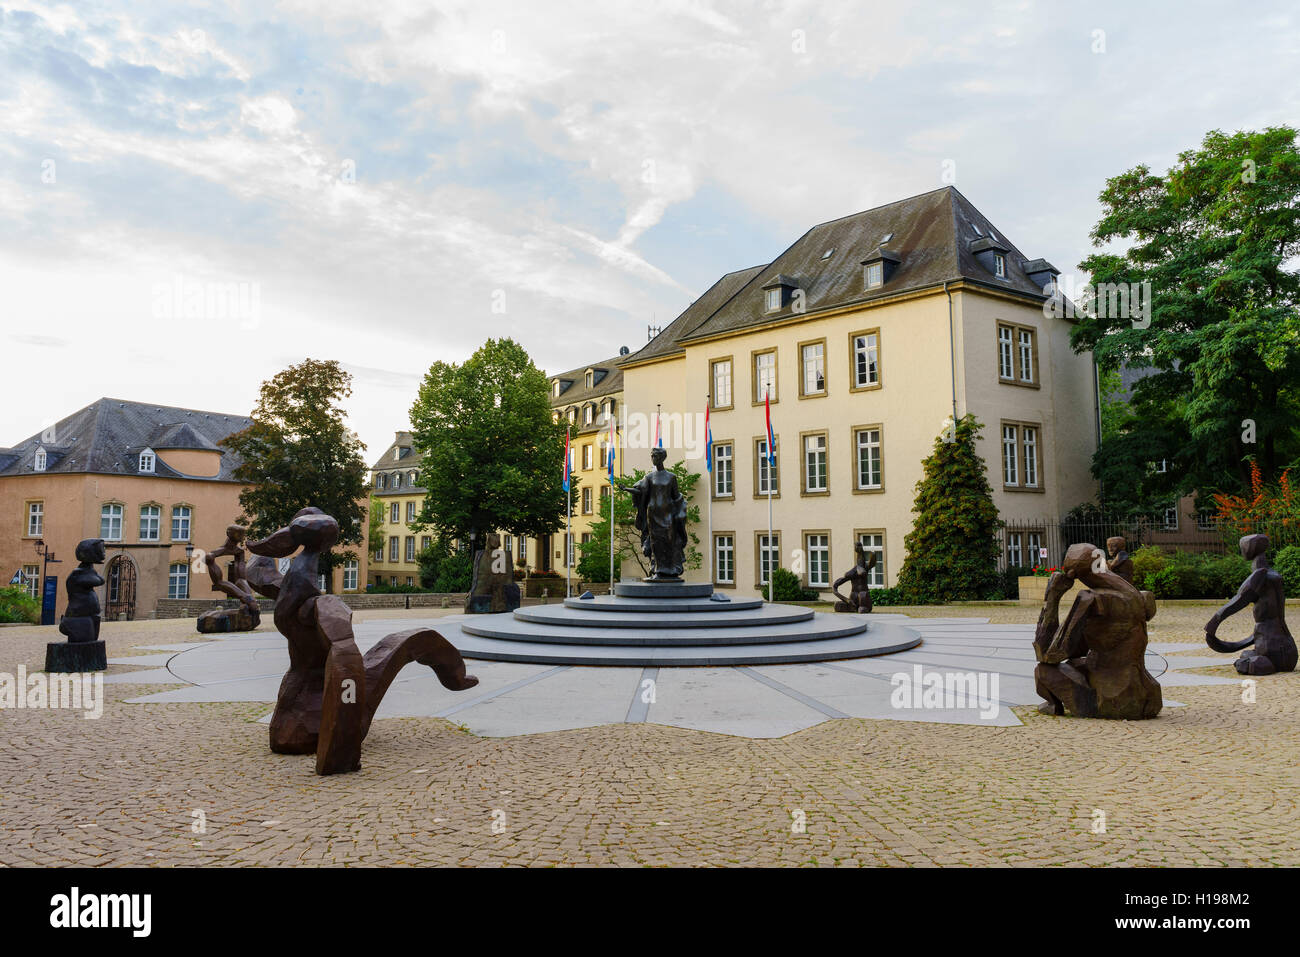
<point x="249" y="615"/>
<point x="330" y="692"/>
<point x="1274" y="648"/>
<point x="857" y="578"/>
<point x="1092" y="663"/>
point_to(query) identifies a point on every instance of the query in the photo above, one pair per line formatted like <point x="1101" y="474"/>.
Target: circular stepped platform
<point x="673" y="623"/>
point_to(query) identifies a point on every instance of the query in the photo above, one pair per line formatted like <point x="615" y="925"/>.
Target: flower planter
<point x="1034" y="587"/>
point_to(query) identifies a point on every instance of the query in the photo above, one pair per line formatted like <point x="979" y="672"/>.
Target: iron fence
<point x="1024" y="543"/>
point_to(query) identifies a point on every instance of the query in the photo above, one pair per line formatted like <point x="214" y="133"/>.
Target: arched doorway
<point x="119" y="578"/>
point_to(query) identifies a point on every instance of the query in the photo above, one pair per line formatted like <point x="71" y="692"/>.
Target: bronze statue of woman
<point x="661" y="519"/>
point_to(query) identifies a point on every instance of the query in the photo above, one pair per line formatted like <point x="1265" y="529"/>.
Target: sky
<point x="194" y="196"/>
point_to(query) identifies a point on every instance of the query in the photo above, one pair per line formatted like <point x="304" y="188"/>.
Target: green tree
<point x="492" y="452"/>
<point x="952" y="549"/>
<point x="593" y="560"/>
<point x="298" y="452"/>
<point x="378" y="515"/>
<point x="1212" y="237"/>
<point x="444" y="567"/>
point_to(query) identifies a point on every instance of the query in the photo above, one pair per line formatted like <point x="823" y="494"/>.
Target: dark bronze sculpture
<point x="493" y="589"/>
<point x="661" y="519"/>
<point x="1092" y="663"/>
<point x="83" y="651"/>
<point x="330" y="692"/>
<point x="1120" y="562"/>
<point x="249" y="615"/>
<point x="1274" y="648"/>
<point x="857" y="577"/>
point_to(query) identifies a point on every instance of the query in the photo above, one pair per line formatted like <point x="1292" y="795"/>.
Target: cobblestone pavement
<point x="1193" y="787"/>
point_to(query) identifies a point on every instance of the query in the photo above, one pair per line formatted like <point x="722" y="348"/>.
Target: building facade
<point x="867" y="335"/>
<point x="395" y="484"/>
<point x="150" y="480"/>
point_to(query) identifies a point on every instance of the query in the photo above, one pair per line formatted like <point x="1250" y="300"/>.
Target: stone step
<point x="615" y="603"/>
<point x="816" y="628"/>
<point x="564" y="616"/>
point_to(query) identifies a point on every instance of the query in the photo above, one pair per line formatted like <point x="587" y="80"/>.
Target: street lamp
<point x="47" y="556"/>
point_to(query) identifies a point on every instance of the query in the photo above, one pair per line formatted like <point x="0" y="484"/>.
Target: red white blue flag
<point x="708" y="438"/>
<point x="566" y="460"/>
<point x="771" y="441"/>
<point x="613" y="444"/>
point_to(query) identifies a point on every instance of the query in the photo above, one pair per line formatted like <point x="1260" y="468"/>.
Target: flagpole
<point x="568" y="519"/>
<point x="613" y="446"/>
<point x="771" y="476"/>
<point x="708" y="457"/>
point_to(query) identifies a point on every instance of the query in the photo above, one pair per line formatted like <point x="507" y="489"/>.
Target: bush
<point x="1287" y="564"/>
<point x="1190" y="574"/>
<point x="18" y="606"/>
<point x="445" y="569"/>
<point x="787" y="587"/>
<point x="1147" y="560"/>
<point x="885" y="597"/>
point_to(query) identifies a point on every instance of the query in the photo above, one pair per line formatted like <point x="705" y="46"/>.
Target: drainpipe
<point x="952" y="344"/>
<point x="1096" y="389"/>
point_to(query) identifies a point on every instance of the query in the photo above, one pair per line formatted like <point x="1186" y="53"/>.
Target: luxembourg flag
<point x="613" y="446"/>
<point x="659" y="439"/>
<point x="771" y="441"/>
<point x="566" y="460"/>
<point x="708" y="438"/>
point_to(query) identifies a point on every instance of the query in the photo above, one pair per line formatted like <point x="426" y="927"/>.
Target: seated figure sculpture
<point x="84" y="650"/>
<point x="1273" y="647"/>
<point x="1092" y="663"/>
<point x="857" y="578"/>
<point x="1118" y="558"/>
<point x="330" y="692"/>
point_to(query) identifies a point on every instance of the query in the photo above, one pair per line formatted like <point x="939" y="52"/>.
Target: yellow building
<point x="587" y="398"/>
<point x="152" y="481"/>
<point x="868" y="333"/>
<point x="395" y="482"/>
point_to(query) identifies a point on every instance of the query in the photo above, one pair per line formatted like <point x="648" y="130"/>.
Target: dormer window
<point x="381" y="480"/>
<point x="397" y="452"/>
<point x="555" y="388"/>
<point x="1000" y="266"/>
<point x="875" y="275"/>
<point x="774" y="299"/>
<point x="589" y="414"/>
<point x="777" y="293"/>
<point x="589" y="379"/>
<point x="38" y="463"/>
<point x="878" y="267"/>
<point x="397" y="480"/>
<point x="147" y="461"/>
<point x="573" y="415"/>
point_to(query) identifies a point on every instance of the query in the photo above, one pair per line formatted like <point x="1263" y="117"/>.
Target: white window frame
<point x="35" y="519"/>
<point x="814" y="365"/>
<point x="1025" y="346"/>
<point x="769" y="555"/>
<point x="724" y="557"/>
<point x="1011" y="456"/>
<point x="410" y="512"/>
<point x="151" y="532"/>
<point x="724" y="474"/>
<point x="1000" y="265"/>
<point x="871" y="442"/>
<point x="818" y="547"/>
<point x="394" y="513"/>
<point x="772" y="299"/>
<point x="875" y="542"/>
<point x="148" y="462"/>
<point x="394" y="548"/>
<point x="1029" y="440"/>
<point x="1014" y="548"/>
<point x="722" y="383"/>
<point x="408" y="547"/>
<point x="764" y="376"/>
<point x="32" y="580"/>
<point x="40" y="461"/>
<point x="875" y="275"/>
<point x="814" y="461"/>
<point x="769" y="472"/>
<point x="1006" y="353"/>
<point x="866" y="358"/>
<point x="110" y="515"/>
<point x="178" y="580"/>
<point x="182" y="523"/>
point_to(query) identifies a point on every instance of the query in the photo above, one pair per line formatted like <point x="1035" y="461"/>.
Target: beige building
<point x="149" y="480"/>
<point x="395" y="482"/>
<point x="868" y="332"/>
<point x="586" y="398"/>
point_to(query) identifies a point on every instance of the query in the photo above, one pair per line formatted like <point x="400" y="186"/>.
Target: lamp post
<point x="47" y="556"/>
<point x="189" y="566"/>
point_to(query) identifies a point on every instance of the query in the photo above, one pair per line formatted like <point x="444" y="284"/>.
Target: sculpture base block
<point x="67" y="657"/>
<point x="221" y="620"/>
<point x="478" y="605"/>
<point x="663" y="589"/>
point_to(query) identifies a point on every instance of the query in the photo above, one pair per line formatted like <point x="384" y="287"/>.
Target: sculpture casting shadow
<point x="1274" y="648"/>
<point x="1092" y="664"/>
<point x="858" y="578"/>
<point x="330" y="692"/>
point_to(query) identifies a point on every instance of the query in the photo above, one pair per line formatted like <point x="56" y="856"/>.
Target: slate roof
<point x="668" y="342"/>
<point x="410" y="458"/>
<point x="107" y="437"/>
<point x="578" y="395"/>
<point x="931" y="235"/>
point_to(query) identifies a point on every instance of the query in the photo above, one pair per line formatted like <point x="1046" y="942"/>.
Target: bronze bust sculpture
<point x="857" y="577"/>
<point x="1092" y="663"/>
<point x="1274" y="648"/>
<point x="661" y="519"/>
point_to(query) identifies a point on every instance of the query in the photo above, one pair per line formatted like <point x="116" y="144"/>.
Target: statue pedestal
<point x="663" y="589"/>
<point x="75" y="657"/>
<point x="221" y="620"/>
